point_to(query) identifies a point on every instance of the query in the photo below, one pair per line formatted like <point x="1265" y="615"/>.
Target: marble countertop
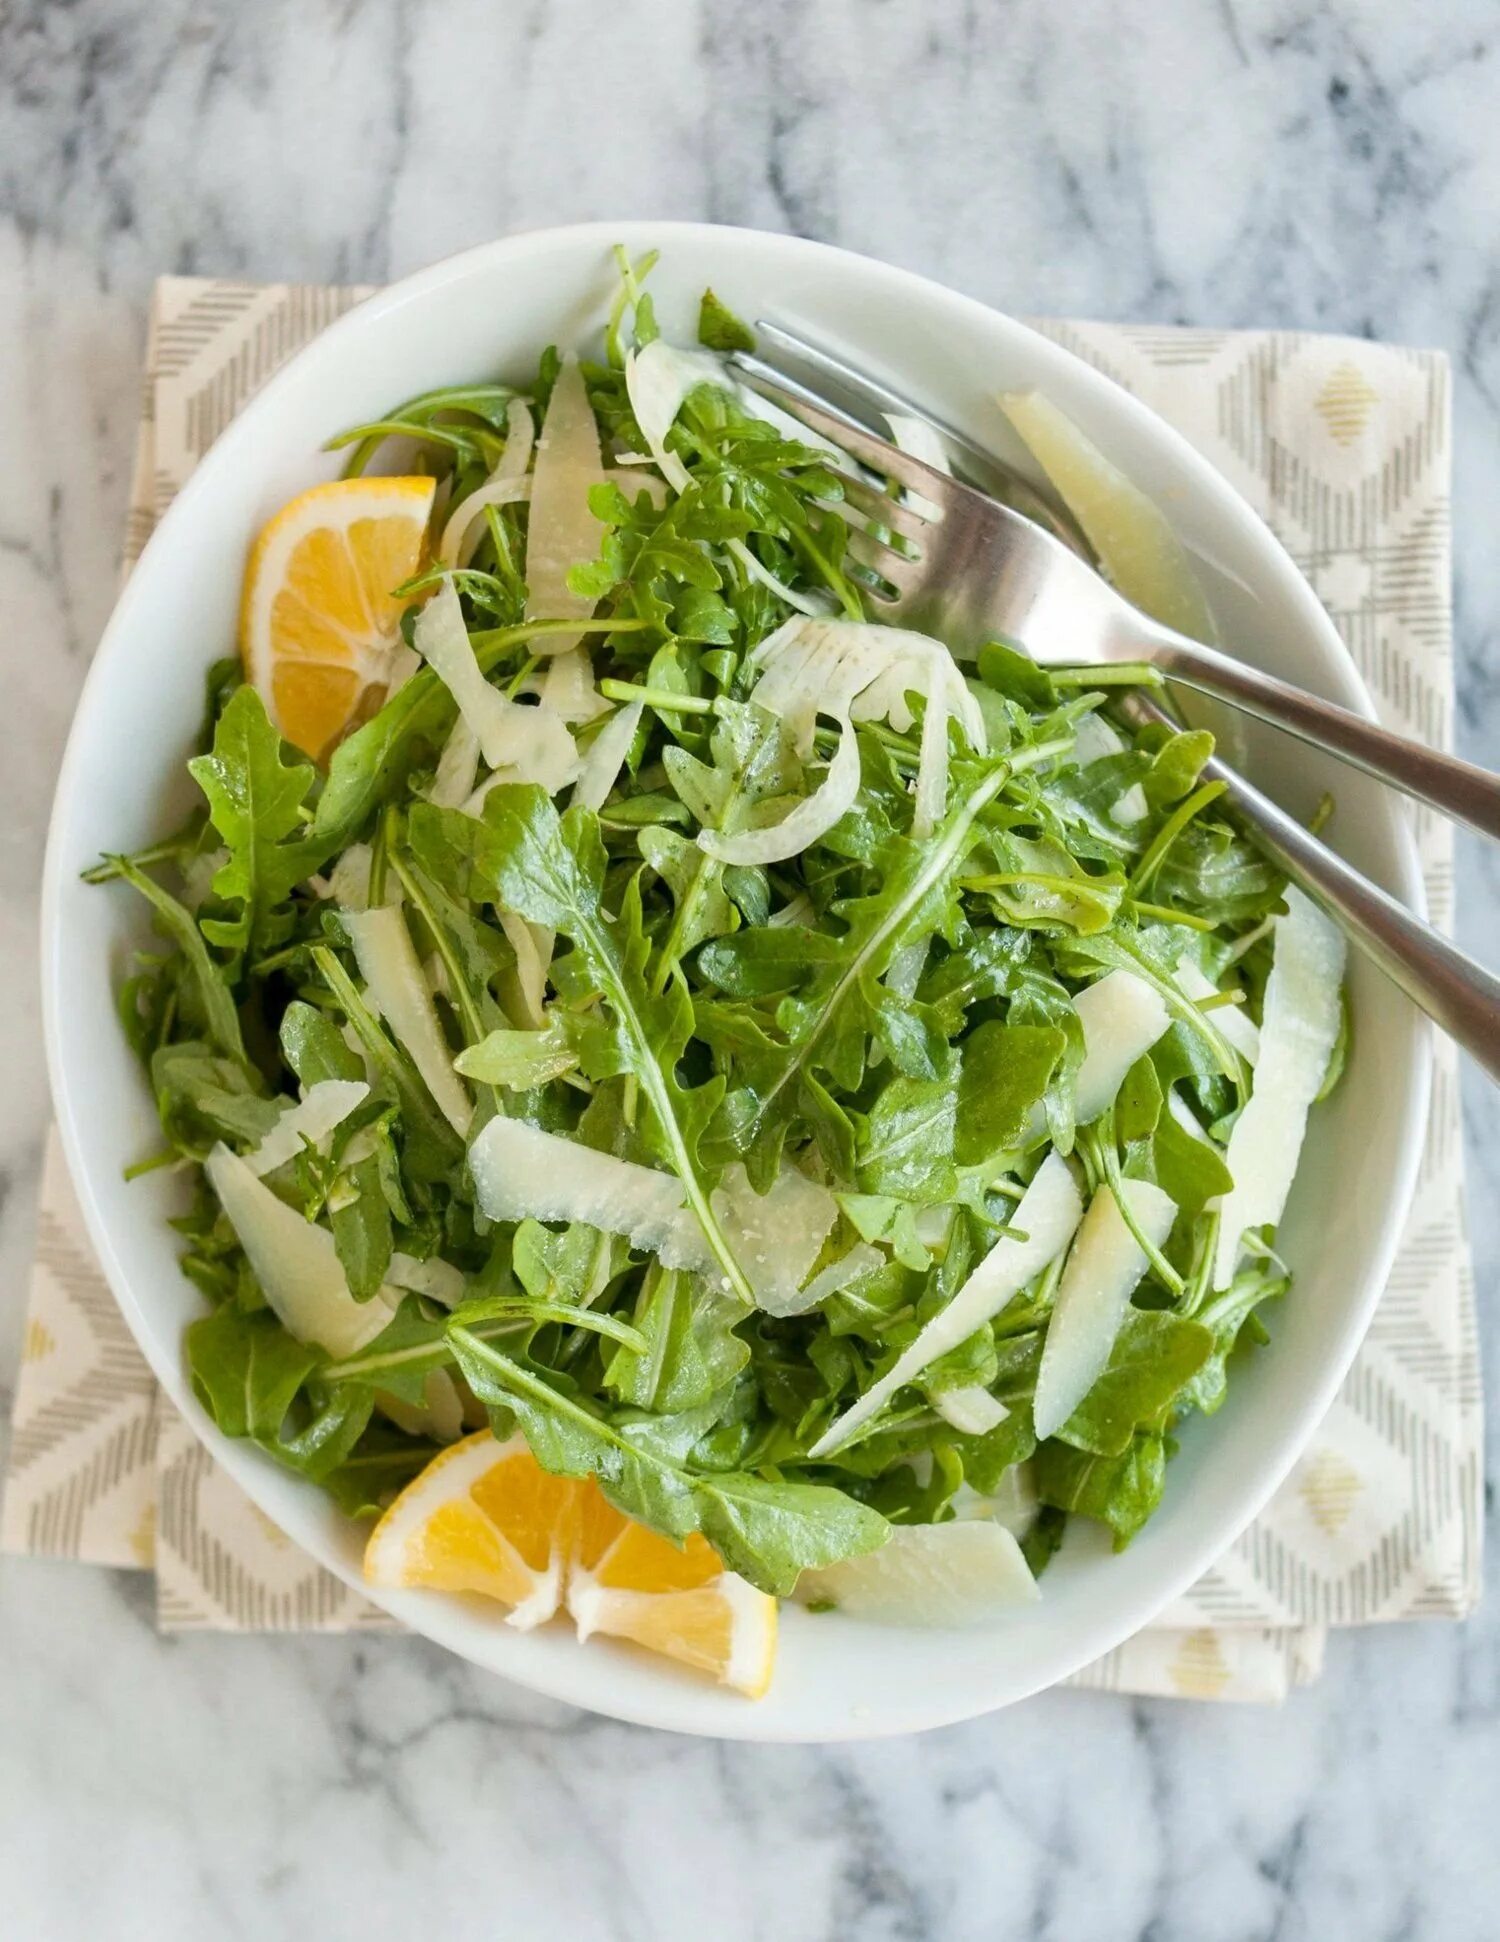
<point x="1242" y="162"/>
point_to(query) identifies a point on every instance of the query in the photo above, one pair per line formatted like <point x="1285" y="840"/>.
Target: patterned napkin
<point x="1342" y="446"/>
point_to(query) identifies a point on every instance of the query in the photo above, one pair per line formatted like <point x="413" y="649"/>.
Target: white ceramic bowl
<point x="489" y="312"/>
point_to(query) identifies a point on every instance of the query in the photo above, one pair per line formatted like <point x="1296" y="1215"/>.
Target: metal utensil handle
<point x="1458" y="789"/>
<point x="1455" y="992"/>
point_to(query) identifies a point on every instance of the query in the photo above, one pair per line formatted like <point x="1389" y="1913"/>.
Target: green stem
<point x="1169" y="832"/>
<point x="412" y="1094"/>
<point x="662" y="699"/>
<point x="941" y="858"/>
<point x="1118" y="674"/>
<point x="1168" y="916"/>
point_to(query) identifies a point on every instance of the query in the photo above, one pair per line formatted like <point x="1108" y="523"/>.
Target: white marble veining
<point x="1330" y="163"/>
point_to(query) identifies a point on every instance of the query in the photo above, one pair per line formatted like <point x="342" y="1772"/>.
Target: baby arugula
<point x="890" y="1015"/>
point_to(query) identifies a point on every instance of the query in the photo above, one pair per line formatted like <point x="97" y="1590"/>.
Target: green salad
<point x="812" y="1085"/>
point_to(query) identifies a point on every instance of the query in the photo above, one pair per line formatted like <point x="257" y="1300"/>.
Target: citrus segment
<point x="319" y="621"/>
<point x="482" y="1517"/>
<point x="485" y="1517"/>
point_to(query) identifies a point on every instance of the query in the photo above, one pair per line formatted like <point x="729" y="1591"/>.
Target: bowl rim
<point x="246" y="1464"/>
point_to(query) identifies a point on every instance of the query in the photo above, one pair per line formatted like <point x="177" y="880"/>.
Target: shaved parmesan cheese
<point x="658" y="378"/>
<point x="327" y="1105"/>
<point x="606" y="757"/>
<point x="778" y="1235"/>
<point x="295" y="1263"/>
<point x="1122" y="1018"/>
<point x="198" y="875"/>
<point x="1095" y="740"/>
<point x="1299" y="1025"/>
<point x="521" y="1172"/>
<point x="972" y="1410"/>
<point x="521" y="744"/>
<point x="1134" y="540"/>
<point x="1103" y="1266"/>
<point x="861" y="1259"/>
<point x="457" y="769"/>
<point x="1234" y="1023"/>
<point x="349" y="879"/>
<point x="438" y="1280"/>
<point x="924" y="442"/>
<point x="632" y="484"/>
<point x="440" y="1415"/>
<point x="928" y="1574"/>
<point x="532" y="944"/>
<point x="1047" y="1214"/>
<point x="395" y="985"/>
<point x="562" y="532"/>
<point x="1015" y="1502"/>
<point x="567" y="688"/>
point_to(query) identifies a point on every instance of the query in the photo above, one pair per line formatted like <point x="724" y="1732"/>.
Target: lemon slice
<point x="485" y="1517"/>
<point x="318" y="621"/>
<point x="629" y="1583"/>
<point x="482" y="1517"/>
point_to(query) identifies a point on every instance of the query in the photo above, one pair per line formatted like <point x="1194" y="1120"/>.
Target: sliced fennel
<point x="524" y="744"/>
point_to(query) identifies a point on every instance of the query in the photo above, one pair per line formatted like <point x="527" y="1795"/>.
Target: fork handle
<point x="1458" y="789"/>
<point x="1455" y="992"/>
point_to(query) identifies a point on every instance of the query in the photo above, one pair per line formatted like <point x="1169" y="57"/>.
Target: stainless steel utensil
<point x="966" y="566"/>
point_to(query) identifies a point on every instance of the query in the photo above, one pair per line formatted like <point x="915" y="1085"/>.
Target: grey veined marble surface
<point x="1332" y="165"/>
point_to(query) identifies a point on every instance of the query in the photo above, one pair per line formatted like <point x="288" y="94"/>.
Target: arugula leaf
<point x="204" y="992"/>
<point x="253" y="1379"/>
<point x="910" y="905"/>
<point x="1006" y="1070"/>
<point x="690" y="1350"/>
<point x="1118" y="1491"/>
<point x="719" y="329"/>
<point x="519" y="1060"/>
<point x="551" y="870"/>
<point x="255" y="801"/>
<point x="1154" y="1357"/>
<point x="201" y="1096"/>
<point x="771" y="1531"/>
<point x="907" y="1143"/>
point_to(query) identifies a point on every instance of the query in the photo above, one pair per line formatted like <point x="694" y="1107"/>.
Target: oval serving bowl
<point x="487" y="313"/>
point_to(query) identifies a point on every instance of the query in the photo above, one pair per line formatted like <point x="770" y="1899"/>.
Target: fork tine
<point x="882" y="510"/>
<point x="877" y="398"/>
<point x="878" y="454"/>
<point x="1014" y="482"/>
<point x="876" y="557"/>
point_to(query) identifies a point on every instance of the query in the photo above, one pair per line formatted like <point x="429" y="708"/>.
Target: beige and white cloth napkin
<point x="1342" y="446"/>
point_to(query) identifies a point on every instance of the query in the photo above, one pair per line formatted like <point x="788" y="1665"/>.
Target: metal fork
<point x="975" y="568"/>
